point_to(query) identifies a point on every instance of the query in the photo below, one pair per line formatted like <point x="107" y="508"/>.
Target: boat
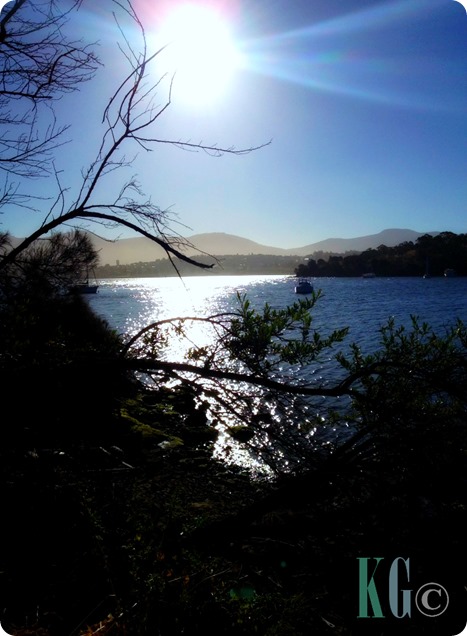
<point x="369" y="275"/>
<point x="450" y="273"/>
<point x="84" y="288"/>
<point x="427" y="269"/>
<point x="303" y="286"/>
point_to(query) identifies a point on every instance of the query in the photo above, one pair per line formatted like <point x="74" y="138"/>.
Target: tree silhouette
<point x="38" y="64"/>
<point x="130" y="117"/>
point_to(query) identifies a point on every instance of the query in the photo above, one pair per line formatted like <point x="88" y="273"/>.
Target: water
<point x="362" y="305"/>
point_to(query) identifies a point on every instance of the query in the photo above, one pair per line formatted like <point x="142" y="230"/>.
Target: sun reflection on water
<point x="132" y="304"/>
<point x="135" y="303"/>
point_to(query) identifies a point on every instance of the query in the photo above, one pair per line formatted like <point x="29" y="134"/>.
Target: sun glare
<point x="200" y="53"/>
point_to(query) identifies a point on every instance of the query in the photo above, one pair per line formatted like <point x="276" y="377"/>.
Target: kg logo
<point x="430" y="600"/>
<point x="387" y="589"/>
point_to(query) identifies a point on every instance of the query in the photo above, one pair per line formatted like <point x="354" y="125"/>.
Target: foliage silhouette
<point x="437" y="253"/>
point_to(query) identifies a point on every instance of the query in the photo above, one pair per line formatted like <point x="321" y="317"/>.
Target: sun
<point x="199" y="52"/>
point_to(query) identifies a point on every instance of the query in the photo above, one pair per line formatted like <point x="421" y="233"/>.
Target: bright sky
<point x="365" y="104"/>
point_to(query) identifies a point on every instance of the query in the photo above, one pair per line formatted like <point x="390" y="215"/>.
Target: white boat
<point x="303" y="286"/>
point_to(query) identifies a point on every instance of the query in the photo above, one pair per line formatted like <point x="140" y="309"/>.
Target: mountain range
<point x="140" y="249"/>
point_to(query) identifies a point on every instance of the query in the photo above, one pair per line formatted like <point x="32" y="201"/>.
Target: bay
<point x="363" y="305"/>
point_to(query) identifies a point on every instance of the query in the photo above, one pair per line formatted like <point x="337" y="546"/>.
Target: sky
<point x="360" y="108"/>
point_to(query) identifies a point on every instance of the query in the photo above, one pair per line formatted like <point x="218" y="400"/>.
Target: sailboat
<point x="427" y="269"/>
<point x="85" y="287"/>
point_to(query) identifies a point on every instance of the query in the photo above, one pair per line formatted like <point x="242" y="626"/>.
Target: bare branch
<point x="146" y="365"/>
<point x="130" y="116"/>
<point x="38" y="65"/>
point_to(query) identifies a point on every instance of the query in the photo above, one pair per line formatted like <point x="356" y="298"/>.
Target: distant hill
<point x="390" y="238"/>
<point x="140" y="249"/>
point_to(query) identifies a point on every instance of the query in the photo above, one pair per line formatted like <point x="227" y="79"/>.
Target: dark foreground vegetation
<point x="118" y="519"/>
